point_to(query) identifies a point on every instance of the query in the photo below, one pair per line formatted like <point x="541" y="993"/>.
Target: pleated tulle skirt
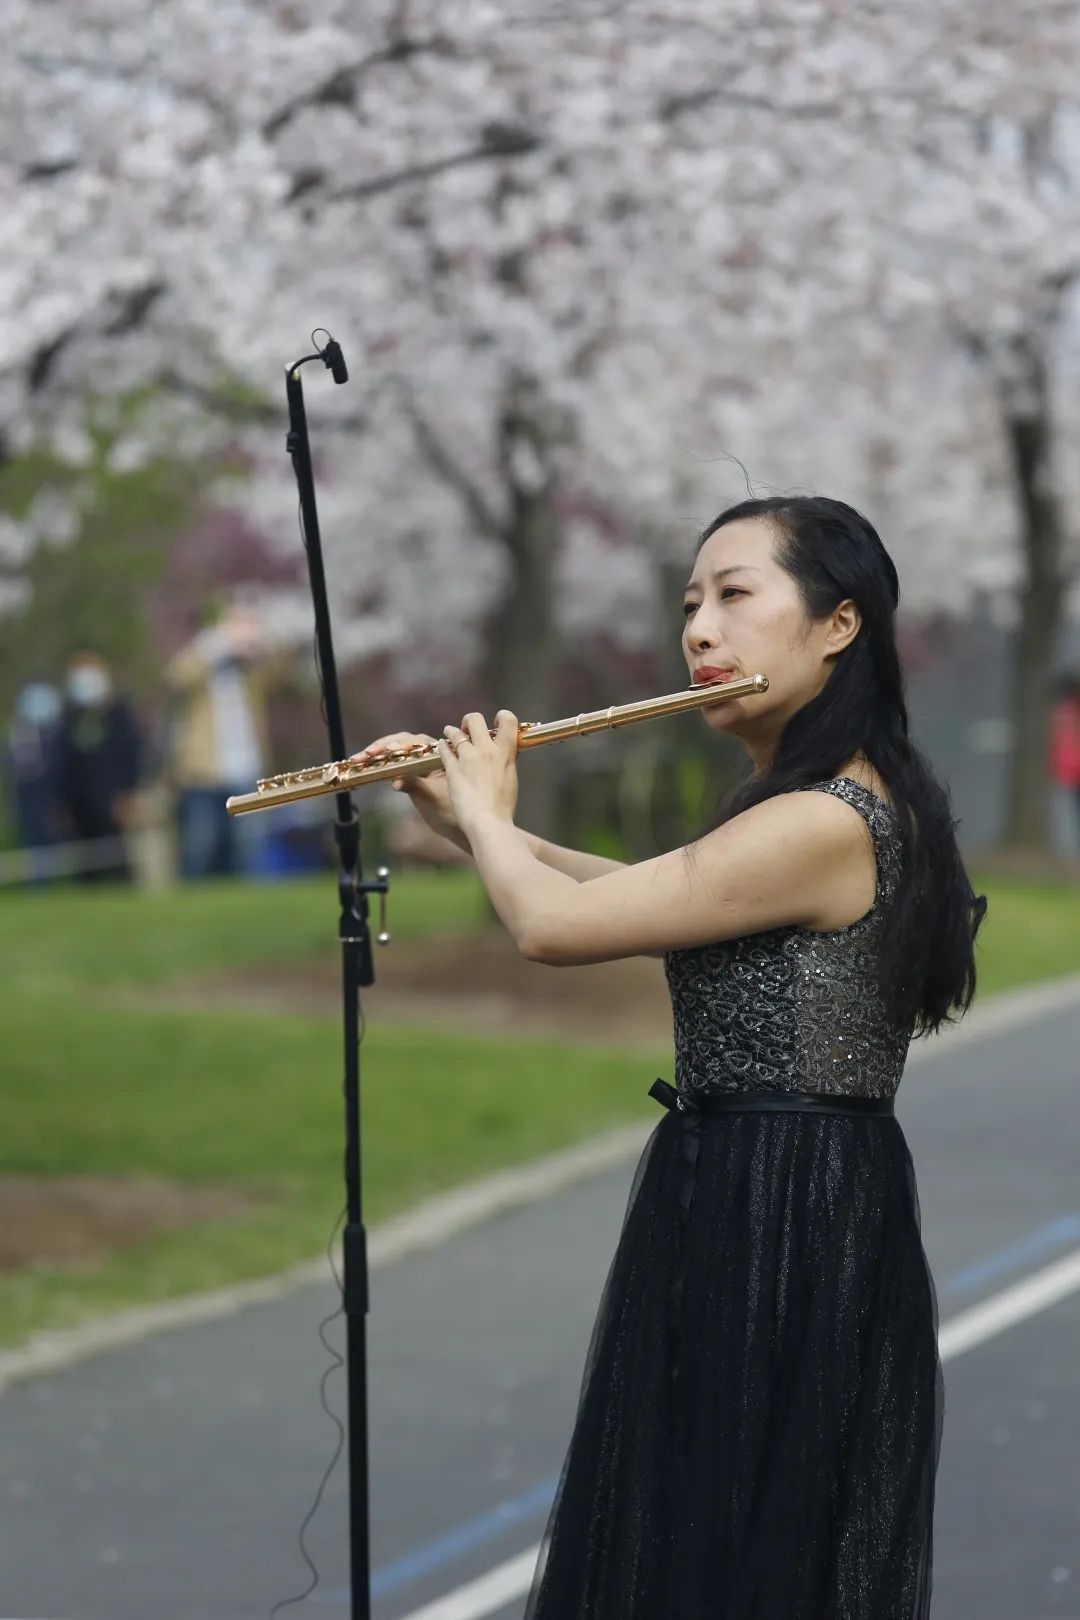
<point x="759" y="1422"/>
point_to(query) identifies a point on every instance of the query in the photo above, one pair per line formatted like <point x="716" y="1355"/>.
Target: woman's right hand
<point x="430" y="794"/>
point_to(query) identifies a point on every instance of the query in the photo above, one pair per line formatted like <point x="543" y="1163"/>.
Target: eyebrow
<point x="732" y="568"/>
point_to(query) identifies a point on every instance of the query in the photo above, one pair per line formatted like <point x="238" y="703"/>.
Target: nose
<point x="699" y="641"/>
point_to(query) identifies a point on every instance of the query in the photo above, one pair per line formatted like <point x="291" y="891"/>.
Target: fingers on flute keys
<point x="393" y="742"/>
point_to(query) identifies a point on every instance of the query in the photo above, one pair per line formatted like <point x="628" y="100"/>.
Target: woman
<point x="760" y="1418"/>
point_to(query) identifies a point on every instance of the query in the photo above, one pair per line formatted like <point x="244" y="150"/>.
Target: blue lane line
<point x="537" y="1499"/>
<point x="1044" y="1240"/>
<point x="467" y="1536"/>
<point x="444" y="1549"/>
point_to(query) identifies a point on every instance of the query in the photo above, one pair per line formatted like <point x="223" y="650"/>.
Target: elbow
<point x="551" y="955"/>
<point x="537" y="945"/>
<point x="532" y="933"/>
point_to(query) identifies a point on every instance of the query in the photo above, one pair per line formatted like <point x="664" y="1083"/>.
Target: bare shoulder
<point x="803" y="857"/>
<point x="813" y="823"/>
<point x="817" y="851"/>
<point x="844" y="888"/>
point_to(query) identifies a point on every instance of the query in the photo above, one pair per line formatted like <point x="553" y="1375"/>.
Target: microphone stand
<point x="357" y="970"/>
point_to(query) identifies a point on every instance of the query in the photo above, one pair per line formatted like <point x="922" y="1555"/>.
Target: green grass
<point x="253" y="1100"/>
<point x="90" y="1085"/>
<point x="96" y="938"/>
<point x="1031" y="932"/>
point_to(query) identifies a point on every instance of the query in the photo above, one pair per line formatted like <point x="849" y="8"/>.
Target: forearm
<point x="521" y="887"/>
<point x="575" y="863"/>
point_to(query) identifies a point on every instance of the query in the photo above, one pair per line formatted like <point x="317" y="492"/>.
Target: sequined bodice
<point x="792" y="1009"/>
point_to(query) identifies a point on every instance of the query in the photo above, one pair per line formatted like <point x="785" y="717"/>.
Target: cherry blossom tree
<point x="576" y="256"/>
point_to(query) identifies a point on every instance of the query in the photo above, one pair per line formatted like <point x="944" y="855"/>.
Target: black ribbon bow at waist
<point x="691" y="1135"/>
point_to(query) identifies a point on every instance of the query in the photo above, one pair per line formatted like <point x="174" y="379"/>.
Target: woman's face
<point x="751" y="620"/>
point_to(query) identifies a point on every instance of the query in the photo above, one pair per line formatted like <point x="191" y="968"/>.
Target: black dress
<point x="759" y="1423"/>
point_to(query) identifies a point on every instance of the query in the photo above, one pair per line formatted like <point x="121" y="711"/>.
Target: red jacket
<point x="1065" y="742"/>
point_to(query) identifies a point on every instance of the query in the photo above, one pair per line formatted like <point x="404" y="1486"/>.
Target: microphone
<point x="335" y="360"/>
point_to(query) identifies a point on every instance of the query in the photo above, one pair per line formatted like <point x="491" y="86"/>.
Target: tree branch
<point x="339" y="87"/>
<point x="249" y="411"/>
<point x="133" y="305"/>
<point x="444" y="465"/>
<point x="48" y="169"/>
<point x="45" y="357"/>
<point x="497" y="141"/>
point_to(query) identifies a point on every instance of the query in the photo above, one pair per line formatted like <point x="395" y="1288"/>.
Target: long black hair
<point x="832" y="552"/>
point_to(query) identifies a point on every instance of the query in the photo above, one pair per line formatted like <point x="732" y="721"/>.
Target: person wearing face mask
<point x="99" y="757"/>
<point x="30" y="761"/>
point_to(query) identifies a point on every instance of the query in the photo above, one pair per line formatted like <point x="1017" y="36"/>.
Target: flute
<point x="342" y="775"/>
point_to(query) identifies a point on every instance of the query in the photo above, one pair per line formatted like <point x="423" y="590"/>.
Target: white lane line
<point x="506" y="1582"/>
<point x="1016" y="1303"/>
<point x="492" y="1591"/>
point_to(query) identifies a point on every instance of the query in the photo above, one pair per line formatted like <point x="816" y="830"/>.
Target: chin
<point x="721" y="718"/>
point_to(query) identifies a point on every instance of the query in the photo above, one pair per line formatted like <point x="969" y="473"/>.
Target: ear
<point x="846" y="621"/>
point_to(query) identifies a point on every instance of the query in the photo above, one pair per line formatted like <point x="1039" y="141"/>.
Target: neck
<point x="762" y="755"/>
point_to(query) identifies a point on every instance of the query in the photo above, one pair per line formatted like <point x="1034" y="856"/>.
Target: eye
<point x="728" y="590"/>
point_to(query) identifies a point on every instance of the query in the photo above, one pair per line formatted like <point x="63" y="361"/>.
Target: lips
<point x="706" y="674"/>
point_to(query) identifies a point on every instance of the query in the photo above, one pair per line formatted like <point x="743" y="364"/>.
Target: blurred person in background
<point x="1065" y="750"/>
<point x="99" y="756"/>
<point x="30" y="768"/>
<point x="219" y="741"/>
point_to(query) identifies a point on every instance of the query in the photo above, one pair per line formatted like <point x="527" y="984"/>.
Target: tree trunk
<point x="1027" y="424"/>
<point x="521" y="659"/>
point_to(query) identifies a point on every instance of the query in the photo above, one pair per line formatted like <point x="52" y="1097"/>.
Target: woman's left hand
<point x="481" y="770"/>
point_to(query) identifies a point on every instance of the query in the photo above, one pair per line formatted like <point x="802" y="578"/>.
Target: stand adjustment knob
<point x="383" y="936"/>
